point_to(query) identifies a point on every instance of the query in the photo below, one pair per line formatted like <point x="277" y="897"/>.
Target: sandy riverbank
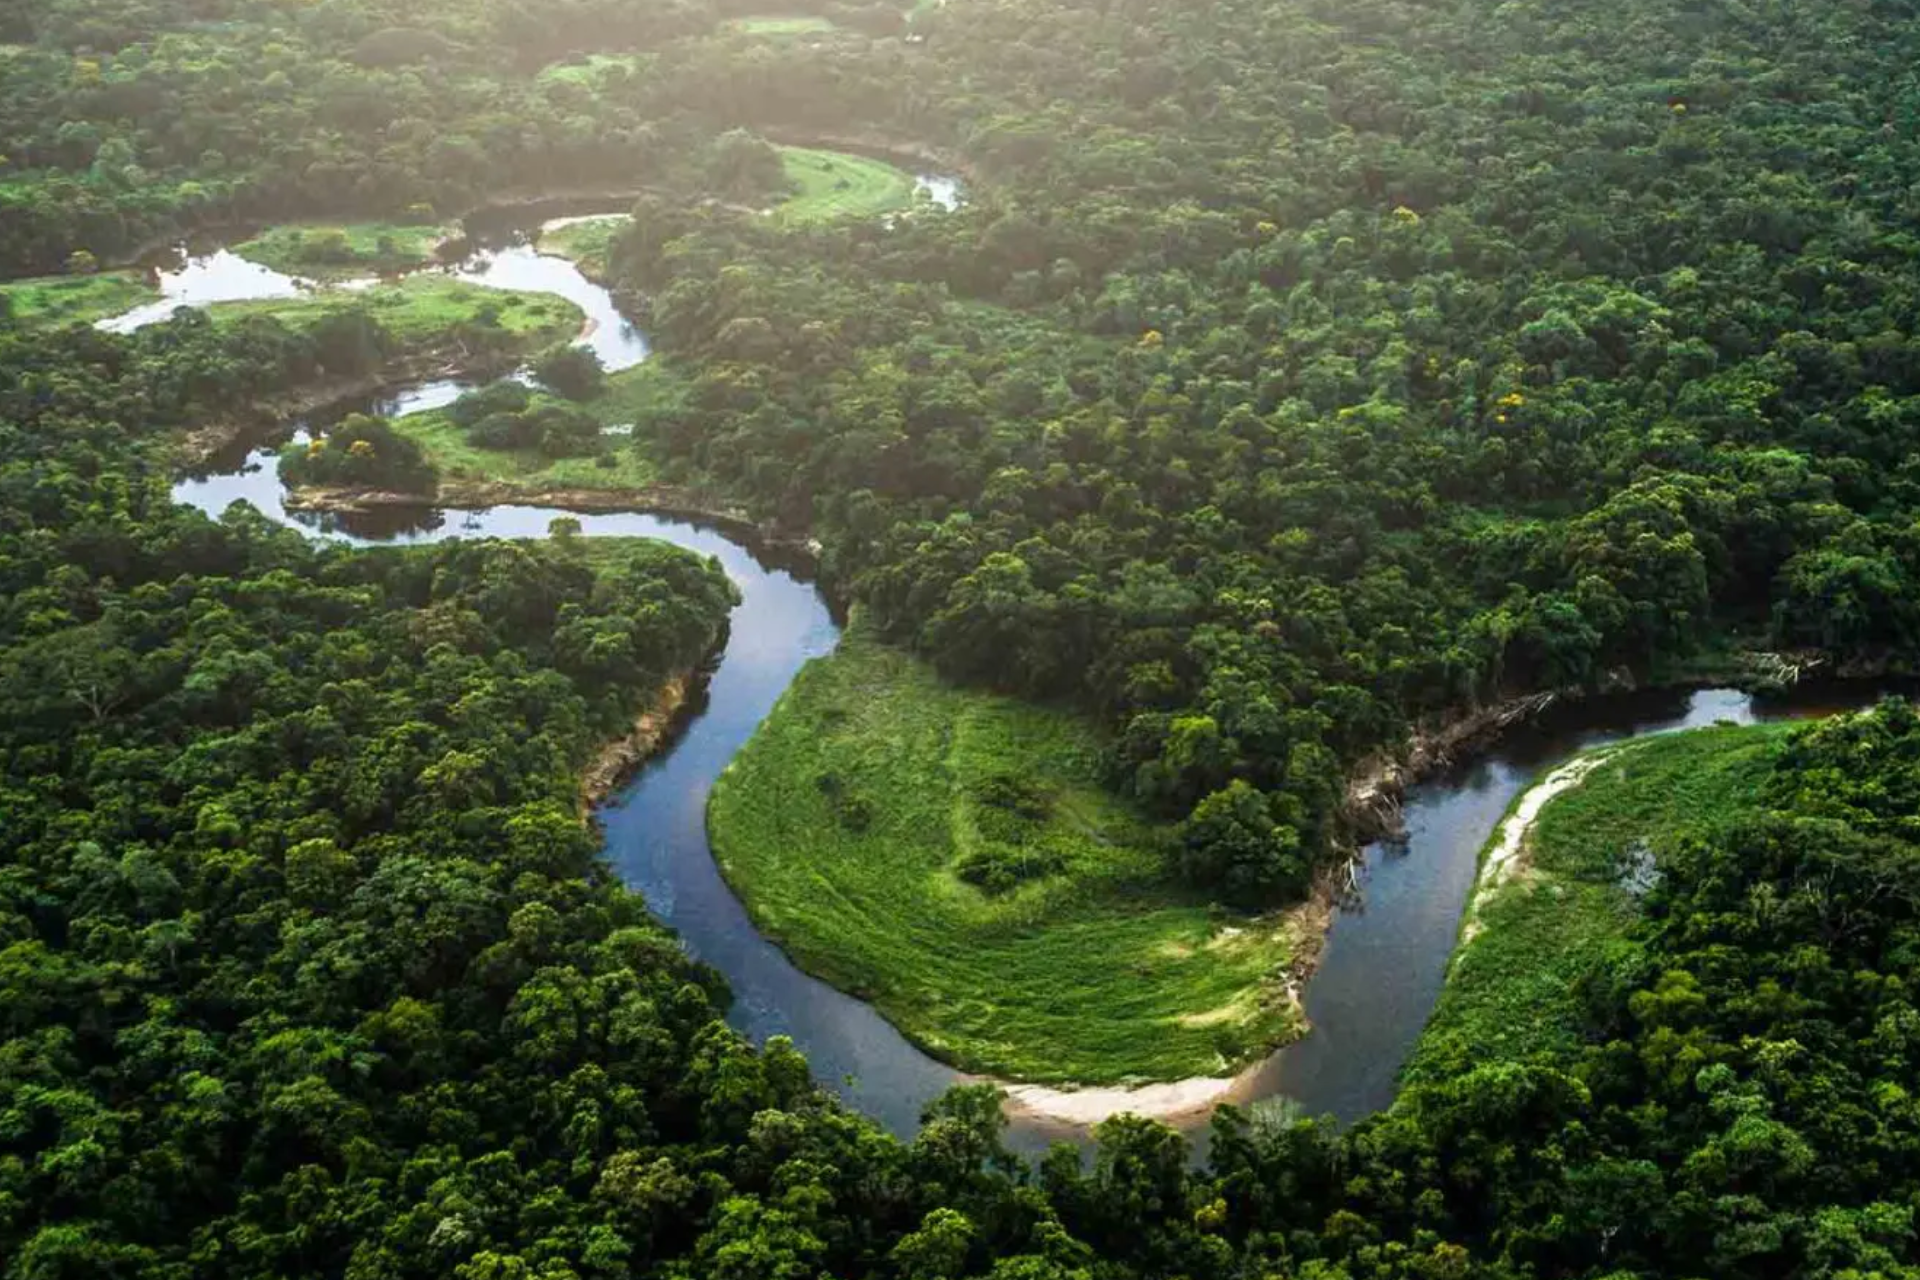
<point x="1505" y="855"/>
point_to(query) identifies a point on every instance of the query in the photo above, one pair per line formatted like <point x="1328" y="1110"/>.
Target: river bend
<point x="1386" y="956"/>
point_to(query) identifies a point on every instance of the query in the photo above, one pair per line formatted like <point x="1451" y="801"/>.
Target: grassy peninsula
<point x="420" y="306"/>
<point x="1514" y="990"/>
<point x="340" y="251"/>
<point x="51" y="300"/>
<point x="631" y="398"/>
<point x="951" y="856"/>
<point x="834" y="184"/>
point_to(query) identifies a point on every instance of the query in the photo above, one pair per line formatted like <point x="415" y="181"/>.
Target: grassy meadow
<point x="587" y="245"/>
<point x="589" y="70"/>
<point x="951" y="856"/>
<point x="793" y="24"/>
<point x="57" y="300"/>
<point x="833" y="184"/>
<point x="418" y="307"/>
<point x="1512" y="992"/>
<point x="632" y="395"/>
<point x="337" y="251"/>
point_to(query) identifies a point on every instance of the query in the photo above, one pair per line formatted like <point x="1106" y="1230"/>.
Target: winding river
<point x="1384" y="960"/>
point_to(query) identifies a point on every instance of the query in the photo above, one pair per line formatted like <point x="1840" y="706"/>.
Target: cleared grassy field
<point x="631" y="396"/>
<point x="781" y="25"/>
<point x="56" y="300"/>
<point x="586" y="244"/>
<point x="588" y="71"/>
<point x="833" y="184"/>
<point x="865" y="826"/>
<point x="335" y="251"/>
<point x="419" y="307"/>
<point x="1513" y="993"/>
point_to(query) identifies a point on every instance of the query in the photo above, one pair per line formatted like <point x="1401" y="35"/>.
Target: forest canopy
<point x="1294" y="372"/>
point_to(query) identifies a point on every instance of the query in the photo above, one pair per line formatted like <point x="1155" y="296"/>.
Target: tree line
<point x="1294" y="371"/>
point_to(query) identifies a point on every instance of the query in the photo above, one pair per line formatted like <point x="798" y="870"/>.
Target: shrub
<point x="573" y="372"/>
<point x="359" y="452"/>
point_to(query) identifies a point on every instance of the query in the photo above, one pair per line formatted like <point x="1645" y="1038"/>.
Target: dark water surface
<point x="1387" y="954"/>
<point x="1385" y="959"/>
<point x="656" y="835"/>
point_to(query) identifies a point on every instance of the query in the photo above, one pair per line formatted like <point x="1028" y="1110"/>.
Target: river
<point x="1385" y="958"/>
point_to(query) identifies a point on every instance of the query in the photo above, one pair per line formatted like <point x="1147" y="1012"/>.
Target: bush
<point x="502" y="431"/>
<point x="500" y="397"/>
<point x="998" y="867"/>
<point x="573" y="372"/>
<point x="359" y="452"/>
<point x="851" y="809"/>
<point x="566" y="432"/>
<point x="328" y="248"/>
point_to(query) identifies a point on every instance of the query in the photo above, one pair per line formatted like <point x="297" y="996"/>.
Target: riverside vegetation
<point x="1565" y="915"/>
<point x="955" y="860"/>
<point x="1298" y="372"/>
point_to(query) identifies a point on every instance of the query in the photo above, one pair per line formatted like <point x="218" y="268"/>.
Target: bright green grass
<point x="54" y="300"/>
<point x="335" y="251"/>
<point x="1512" y="991"/>
<point x="586" y="244"/>
<point x="420" y="307"/>
<point x="781" y="25"/>
<point x="632" y="395"/>
<point x="1100" y="973"/>
<point x="587" y="71"/>
<point x="833" y="184"/>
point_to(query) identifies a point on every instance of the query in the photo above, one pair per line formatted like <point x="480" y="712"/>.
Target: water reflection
<point x="1384" y="961"/>
<point x="942" y="190"/>
<point x="1386" y="957"/>
<point x="202" y="279"/>
<point x="220" y="275"/>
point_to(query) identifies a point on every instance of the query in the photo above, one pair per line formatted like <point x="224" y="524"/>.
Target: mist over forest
<point x="1308" y="603"/>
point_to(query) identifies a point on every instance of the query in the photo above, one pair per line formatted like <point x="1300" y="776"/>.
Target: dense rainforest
<point x="1295" y="371"/>
<point x="1273" y="398"/>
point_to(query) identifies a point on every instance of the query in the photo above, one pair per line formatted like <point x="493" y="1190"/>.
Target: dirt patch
<point x="619" y="758"/>
<point x="1174" y="1100"/>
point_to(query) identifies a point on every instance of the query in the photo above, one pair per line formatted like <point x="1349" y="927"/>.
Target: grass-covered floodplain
<point x="833" y="184"/>
<point x="774" y="24"/>
<point x="588" y="71"/>
<point x="631" y="398"/>
<point x="1514" y="988"/>
<point x="336" y="251"/>
<point x="419" y="307"/>
<point x="587" y="244"/>
<point x="47" y="300"/>
<point x="951" y="856"/>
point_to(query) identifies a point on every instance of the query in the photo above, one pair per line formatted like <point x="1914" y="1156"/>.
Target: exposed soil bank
<point x="1174" y="1100"/>
<point x="618" y="759"/>
<point x="1375" y="792"/>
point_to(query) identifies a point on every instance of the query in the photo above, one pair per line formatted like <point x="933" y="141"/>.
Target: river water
<point x="1385" y="958"/>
